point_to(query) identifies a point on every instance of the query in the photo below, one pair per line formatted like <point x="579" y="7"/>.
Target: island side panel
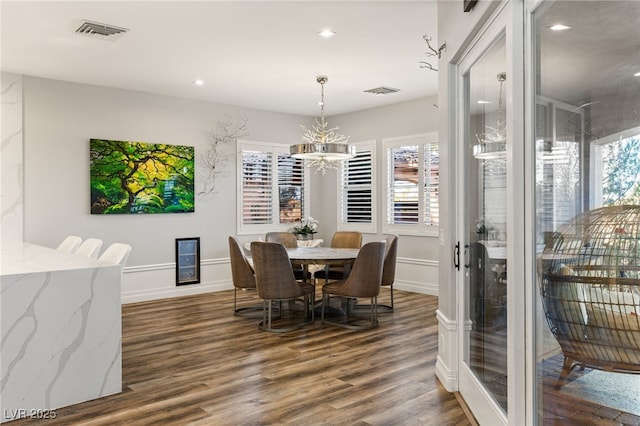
<point x="61" y="338"/>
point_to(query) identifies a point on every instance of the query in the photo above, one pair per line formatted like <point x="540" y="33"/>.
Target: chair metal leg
<point x="374" y="312"/>
<point x="381" y="308"/>
<point x="373" y="316"/>
<point x="266" y="323"/>
<point x="244" y="311"/>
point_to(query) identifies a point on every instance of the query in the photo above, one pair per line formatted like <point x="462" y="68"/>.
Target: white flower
<point x="307" y="226"/>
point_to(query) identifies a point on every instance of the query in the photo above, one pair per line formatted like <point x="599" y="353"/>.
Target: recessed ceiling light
<point x="198" y="82"/>
<point x="481" y="102"/>
<point x="326" y="33"/>
<point x="559" y="27"/>
<point x="637" y="74"/>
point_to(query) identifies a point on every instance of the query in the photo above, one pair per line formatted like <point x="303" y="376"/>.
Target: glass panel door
<point x="483" y="372"/>
<point x="587" y="211"/>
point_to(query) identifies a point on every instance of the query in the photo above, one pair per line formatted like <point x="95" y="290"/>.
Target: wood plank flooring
<point x="189" y="361"/>
<point x="561" y="409"/>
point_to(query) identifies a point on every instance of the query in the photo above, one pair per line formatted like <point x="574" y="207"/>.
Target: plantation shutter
<point x="290" y="189"/>
<point x="431" y="184"/>
<point x="356" y="179"/>
<point x="256" y="187"/>
<point x="402" y="191"/>
<point x="412" y="188"/>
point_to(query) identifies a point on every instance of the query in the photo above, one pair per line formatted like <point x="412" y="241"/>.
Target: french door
<point x="491" y="370"/>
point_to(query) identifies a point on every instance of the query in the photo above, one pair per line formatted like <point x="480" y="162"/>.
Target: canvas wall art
<point x="140" y="178"/>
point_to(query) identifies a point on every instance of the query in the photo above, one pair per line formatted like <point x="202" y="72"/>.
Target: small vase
<point x="304" y="237"/>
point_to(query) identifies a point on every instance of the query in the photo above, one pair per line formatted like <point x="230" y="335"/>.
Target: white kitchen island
<point x="60" y="316"/>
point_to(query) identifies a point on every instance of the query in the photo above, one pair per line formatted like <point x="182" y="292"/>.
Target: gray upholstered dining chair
<point x="288" y="240"/>
<point x="389" y="268"/>
<point x="363" y="282"/>
<point x="340" y="239"/>
<point x="275" y="281"/>
<point x="242" y="275"/>
<point x="388" y="272"/>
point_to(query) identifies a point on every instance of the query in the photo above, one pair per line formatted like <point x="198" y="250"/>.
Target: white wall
<point x="418" y="257"/>
<point x="61" y="117"/>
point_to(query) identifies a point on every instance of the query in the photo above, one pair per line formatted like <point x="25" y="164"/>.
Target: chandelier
<point x="493" y="142"/>
<point x="322" y="147"/>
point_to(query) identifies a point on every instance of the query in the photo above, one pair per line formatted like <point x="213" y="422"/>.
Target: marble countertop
<point x="27" y="258"/>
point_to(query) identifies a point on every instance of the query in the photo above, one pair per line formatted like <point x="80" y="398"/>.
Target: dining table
<point x="326" y="256"/>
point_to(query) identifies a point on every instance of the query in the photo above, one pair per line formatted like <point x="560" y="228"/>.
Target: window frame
<point x="342" y="225"/>
<point x="595" y="163"/>
<point x="275" y="149"/>
<point x="420" y="228"/>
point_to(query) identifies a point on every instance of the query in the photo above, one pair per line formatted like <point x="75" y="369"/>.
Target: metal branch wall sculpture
<point x="432" y="53"/>
<point x="225" y="133"/>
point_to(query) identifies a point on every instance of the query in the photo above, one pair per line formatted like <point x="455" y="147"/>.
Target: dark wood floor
<point x="189" y="361"/>
<point x="561" y="409"/>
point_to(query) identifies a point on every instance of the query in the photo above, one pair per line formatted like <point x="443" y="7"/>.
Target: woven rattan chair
<point x="590" y="288"/>
<point x="340" y="239"/>
<point x="388" y="272"/>
<point x="242" y="276"/>
<point x="389" y="268"/>
<point x="288" y="240"/>
<point x="363" y="282"/>
<point x="275" y="281"/>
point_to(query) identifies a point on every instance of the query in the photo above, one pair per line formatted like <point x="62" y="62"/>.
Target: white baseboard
<point x="151" y="282"/>
<point x="447" y="360"/>
<point x="447" y="376"/>
<point x="164" y="293"/>
<point x="417" y="287"/>
<point x="417" y="276"/>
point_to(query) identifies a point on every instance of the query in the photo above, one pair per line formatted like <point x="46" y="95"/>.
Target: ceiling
<point x="257" y="54"/>
<point x="597" y="56"/>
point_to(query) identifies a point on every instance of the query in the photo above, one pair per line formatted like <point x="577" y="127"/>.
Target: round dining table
<point x="325" y="256"/>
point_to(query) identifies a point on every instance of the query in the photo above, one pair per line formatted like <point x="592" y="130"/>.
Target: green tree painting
<point x="138" y="177"/>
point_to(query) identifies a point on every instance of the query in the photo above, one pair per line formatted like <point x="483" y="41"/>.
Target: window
<point x="356" y="190"/>
<point x="272" y="188"/>
<point x="616" y="169"/>
<point x="412" y="184"/>
<point x="559" y="140"/>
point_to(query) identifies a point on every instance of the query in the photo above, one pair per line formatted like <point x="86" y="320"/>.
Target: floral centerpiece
<point x="305" y="229"/>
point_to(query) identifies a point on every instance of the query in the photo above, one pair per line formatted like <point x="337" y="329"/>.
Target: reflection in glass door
<point x="485" y="222"/>
<point x="587" y="211"/>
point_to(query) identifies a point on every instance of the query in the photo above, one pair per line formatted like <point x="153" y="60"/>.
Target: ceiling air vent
<point x="382" y="90"/>
<point x="98" y="30"/>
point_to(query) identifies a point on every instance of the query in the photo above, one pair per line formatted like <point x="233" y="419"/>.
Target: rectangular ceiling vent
<point x="382" y="90"/>
<point x="102" y="31"/>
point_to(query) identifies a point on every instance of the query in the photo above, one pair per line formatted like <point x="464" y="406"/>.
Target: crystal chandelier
<point x="493" y="142"/>
<point x="322" y="147"/>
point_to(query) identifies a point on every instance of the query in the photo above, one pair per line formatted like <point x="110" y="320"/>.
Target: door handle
<point x="456" y="256"/>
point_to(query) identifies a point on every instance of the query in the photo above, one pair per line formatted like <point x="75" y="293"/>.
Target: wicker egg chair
<point x="590" y="288"/>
